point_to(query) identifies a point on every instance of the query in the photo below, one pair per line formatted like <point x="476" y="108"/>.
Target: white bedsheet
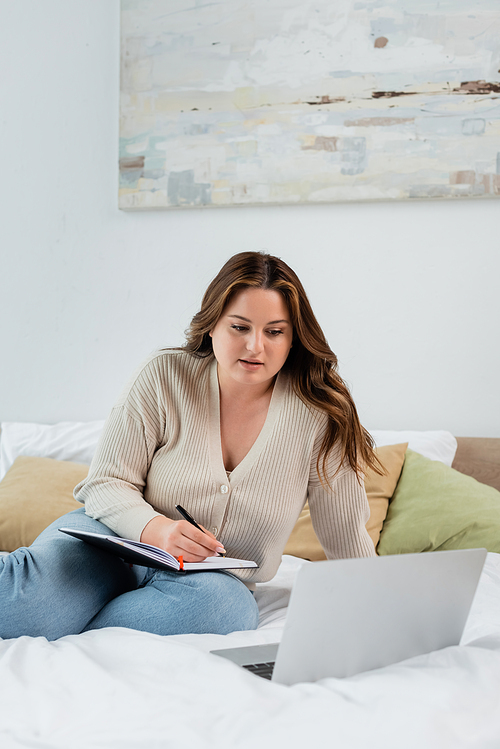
<point x="127" y="689"/>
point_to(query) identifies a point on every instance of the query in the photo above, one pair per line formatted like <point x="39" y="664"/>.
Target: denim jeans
<point x="60" y="586"/>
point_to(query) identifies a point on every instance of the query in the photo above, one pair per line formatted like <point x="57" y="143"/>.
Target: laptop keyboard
<point x="261" y="669"/>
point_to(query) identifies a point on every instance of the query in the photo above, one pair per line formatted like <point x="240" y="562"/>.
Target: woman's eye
<point x="275" y="332"/>
<point x="238" y="328"/>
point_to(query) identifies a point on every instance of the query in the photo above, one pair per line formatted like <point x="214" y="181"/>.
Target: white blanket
<point x="124" y="689"/>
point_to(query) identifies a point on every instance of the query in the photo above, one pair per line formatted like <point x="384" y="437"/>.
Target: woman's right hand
<point x="180" y="538"/>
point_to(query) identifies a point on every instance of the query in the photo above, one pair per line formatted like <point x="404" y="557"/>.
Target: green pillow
<point x="435" y="507"/>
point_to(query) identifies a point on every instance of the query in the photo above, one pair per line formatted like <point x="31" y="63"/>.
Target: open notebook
<point x="146" y="555"/>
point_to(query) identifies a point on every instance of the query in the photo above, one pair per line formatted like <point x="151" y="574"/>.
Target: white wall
<point x="407" y="292"/>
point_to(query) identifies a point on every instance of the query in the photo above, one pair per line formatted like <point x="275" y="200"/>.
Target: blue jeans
<point x="60" y="586"/>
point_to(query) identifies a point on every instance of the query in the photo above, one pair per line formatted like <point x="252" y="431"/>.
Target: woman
<point x="240" y="426"/>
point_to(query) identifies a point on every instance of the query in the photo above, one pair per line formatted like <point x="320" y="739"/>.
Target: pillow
<point x="303" y="541"/>
<point x="34" y="493"/>
<point x="77" y="441"/>
<point x="435" y="507"/>
<point x="436" y="445"/>
<point x="68" y="440"/>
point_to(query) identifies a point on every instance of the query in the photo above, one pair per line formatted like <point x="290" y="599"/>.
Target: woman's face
<point x="252" y="338"/>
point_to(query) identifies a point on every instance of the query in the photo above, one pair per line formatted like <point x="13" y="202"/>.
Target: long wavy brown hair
<point x="312" y="365"/>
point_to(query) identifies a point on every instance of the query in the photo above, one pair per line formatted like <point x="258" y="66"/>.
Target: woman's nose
<point x="254" y="341"/>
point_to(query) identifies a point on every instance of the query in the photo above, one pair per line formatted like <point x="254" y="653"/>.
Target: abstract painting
<point x="231" y="102"/>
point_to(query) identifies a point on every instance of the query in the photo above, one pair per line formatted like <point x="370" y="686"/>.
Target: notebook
<point x="353" y="615"/>
<point x="146" y="555"/>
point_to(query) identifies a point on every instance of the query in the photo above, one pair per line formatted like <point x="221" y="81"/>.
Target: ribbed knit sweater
<point x="161" y="446"/>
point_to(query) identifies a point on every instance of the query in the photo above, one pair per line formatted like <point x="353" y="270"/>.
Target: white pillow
<point x="77" y="441"/>
<point x="68" y="440"/>
<point x="436" y="445"/>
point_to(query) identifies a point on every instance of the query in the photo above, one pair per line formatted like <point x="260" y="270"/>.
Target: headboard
<point x="479" y="457"/>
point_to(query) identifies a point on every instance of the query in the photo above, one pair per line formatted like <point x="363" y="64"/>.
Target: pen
<point x="185" y="514"/>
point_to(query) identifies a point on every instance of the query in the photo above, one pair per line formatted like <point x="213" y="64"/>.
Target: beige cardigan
<point x="161" y="446"/>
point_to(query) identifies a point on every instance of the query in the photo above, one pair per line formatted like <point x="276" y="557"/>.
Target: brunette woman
<point x="240" y="426"/>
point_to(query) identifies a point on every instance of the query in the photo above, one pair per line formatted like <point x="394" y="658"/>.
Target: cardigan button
<point x="224" y="489"/>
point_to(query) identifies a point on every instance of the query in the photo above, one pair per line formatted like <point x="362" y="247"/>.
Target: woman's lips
<point x="250" y="365"/>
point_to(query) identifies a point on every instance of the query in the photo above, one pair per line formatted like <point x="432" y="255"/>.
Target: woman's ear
<point x="210" y="334"/>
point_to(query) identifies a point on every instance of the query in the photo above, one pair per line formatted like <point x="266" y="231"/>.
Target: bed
<point x="128" y="689"/>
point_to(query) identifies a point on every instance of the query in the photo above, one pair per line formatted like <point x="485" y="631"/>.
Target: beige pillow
<point x="33" y="493"/>
<point x="303" y="541"/>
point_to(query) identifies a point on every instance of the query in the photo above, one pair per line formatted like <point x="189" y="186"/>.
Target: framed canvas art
<point x="291" y="102"/>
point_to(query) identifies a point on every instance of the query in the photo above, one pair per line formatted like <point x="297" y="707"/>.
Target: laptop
<point x="348" y="616"/>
